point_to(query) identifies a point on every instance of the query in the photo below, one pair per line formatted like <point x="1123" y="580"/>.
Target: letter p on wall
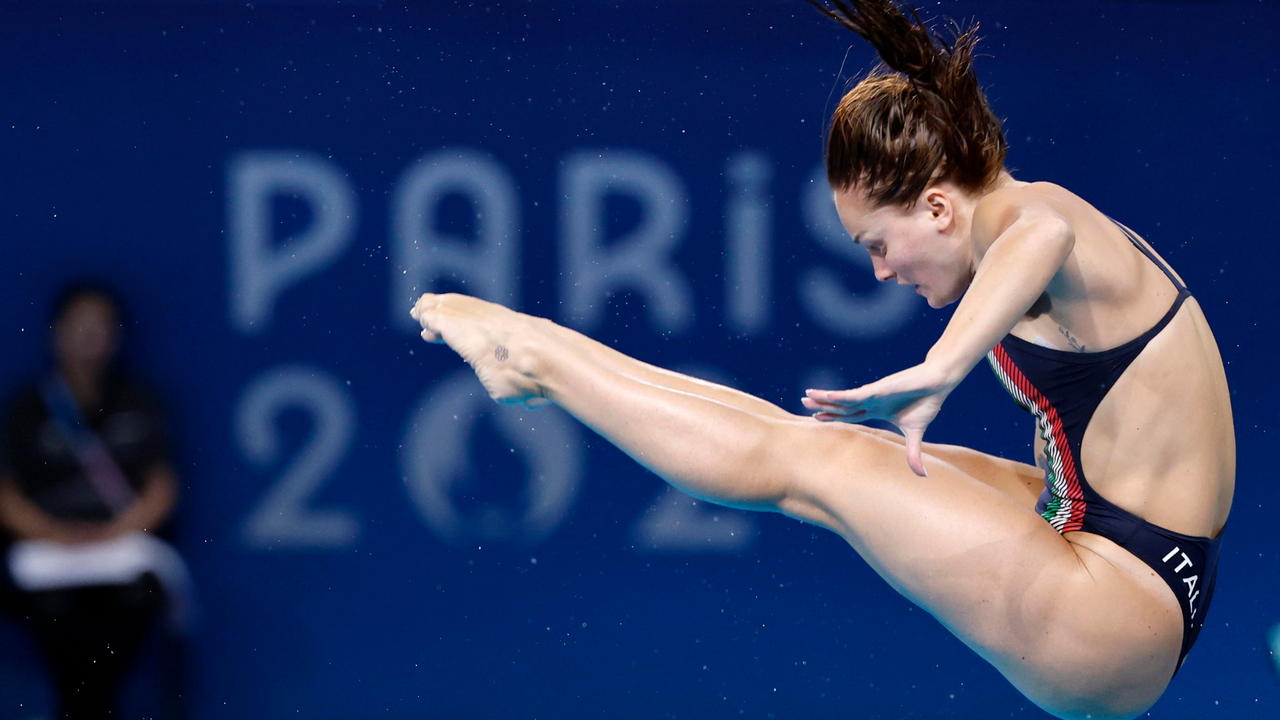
<point x="263" y="266"/>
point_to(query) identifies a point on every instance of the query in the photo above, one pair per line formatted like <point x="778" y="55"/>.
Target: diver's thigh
<point x="980" y="560"/>
<point x="1020" y="481"/>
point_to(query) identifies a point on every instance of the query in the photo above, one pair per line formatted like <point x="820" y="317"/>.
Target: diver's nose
<point x="882" y="270"/>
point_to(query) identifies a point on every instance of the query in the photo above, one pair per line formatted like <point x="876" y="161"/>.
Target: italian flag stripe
<point x="1065" y="510"/>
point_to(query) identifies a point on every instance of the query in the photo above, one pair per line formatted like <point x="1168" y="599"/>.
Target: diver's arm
<point x="1032" y="243"/>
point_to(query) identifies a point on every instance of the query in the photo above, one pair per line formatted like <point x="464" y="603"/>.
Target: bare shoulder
<point x="1039" y="203"/>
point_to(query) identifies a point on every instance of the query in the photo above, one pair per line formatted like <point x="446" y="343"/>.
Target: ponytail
<point x="928" y="120"/>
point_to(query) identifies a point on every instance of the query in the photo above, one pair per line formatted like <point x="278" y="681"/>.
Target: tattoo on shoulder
<point x="1071" y="340"/>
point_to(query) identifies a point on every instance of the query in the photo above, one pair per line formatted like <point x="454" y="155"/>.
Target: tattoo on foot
<point x="501" y="354"/>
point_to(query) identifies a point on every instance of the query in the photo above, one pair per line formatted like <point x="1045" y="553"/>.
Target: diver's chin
<point x="937" y="303"/>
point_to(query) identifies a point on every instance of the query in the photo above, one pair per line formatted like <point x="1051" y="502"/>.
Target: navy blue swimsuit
<point x="1063" y="389"/>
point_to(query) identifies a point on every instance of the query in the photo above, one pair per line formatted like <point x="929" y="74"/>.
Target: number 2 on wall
<point x="283" y="517"/>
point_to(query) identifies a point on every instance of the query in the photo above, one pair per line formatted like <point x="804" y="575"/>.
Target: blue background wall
<point x="272" y="183"/>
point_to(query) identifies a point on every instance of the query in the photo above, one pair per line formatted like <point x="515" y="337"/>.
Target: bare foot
<point x="494" y="340"/>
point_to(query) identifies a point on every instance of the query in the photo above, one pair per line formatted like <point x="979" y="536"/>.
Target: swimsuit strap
<point x="1150" y="255"/>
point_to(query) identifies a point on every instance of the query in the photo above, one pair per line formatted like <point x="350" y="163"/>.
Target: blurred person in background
<point x="85" y="483"/>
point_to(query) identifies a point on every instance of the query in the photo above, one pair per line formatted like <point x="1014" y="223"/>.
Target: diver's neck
<point x="978" y="246"/>
<point x="1004" y="180"/>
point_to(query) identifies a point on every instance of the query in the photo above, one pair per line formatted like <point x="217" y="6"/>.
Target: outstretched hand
<point x="909" y="399"/>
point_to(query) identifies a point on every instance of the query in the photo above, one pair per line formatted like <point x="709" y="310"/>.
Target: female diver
<point x="1083" y="580"/>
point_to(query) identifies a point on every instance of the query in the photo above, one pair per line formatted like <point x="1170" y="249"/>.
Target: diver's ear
<point x="940" y="205"/>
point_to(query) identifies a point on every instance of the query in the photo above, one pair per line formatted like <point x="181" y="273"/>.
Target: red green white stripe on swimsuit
<point x="1065" y="509"/>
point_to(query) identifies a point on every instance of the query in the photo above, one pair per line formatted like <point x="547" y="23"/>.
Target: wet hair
<point x="919" y="118"/>
<point x="85" y="289"/>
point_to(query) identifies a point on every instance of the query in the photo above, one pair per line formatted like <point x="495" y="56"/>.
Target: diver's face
<point x="84" y="336"/>
<point x="907" y="245"/>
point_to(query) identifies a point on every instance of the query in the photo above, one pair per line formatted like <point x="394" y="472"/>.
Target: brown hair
<point x="895" y="133"/>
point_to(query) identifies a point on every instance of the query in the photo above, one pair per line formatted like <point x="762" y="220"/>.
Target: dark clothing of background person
<point x="47" y="471"/>
<point x="90" y="634"/>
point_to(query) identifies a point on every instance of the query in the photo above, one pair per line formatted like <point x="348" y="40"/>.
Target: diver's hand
<point x="909" y="399"/>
